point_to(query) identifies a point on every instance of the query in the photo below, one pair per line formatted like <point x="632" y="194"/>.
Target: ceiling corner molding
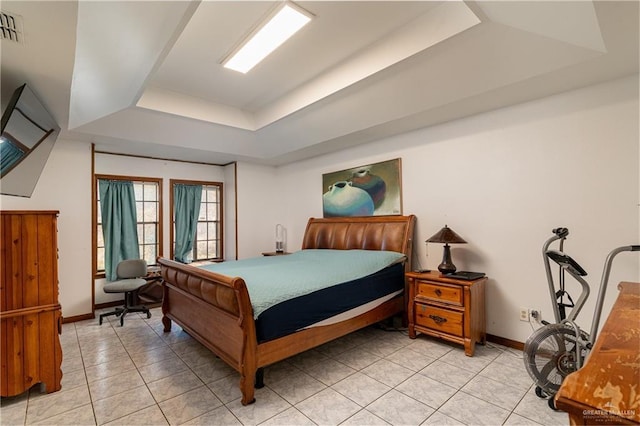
<point x="170" y="102"/>
<point x="438" y="24"/>
<point x="572" y="22"/>
<point x="115" y="54"/>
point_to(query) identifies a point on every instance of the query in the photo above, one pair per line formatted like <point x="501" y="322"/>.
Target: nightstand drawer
<point x="443" y="320"/>
<point x="440" y="292"/>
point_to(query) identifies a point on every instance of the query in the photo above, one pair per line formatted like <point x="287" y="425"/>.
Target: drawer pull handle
<point x="438" y="319"/>
<point x="438" y="292"/>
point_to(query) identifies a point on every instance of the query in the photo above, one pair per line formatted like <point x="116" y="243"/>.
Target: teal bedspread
<point x="273" y="279"/>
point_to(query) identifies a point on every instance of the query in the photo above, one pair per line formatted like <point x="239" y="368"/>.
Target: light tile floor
<point x="139" y="375"/>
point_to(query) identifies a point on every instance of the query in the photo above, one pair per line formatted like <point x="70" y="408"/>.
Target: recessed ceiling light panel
<point x="278" y="28"/>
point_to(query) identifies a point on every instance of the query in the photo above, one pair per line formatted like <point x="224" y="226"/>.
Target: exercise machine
<point x="557" y="349"/>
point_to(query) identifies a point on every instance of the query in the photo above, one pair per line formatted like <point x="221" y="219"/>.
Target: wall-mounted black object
<point x="27" y="137"/>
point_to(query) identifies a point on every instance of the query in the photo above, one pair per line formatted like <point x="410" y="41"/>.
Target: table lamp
<point x="446" y="236"/>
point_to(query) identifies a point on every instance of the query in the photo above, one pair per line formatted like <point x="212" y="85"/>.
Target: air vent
<point x="11" y="27"/>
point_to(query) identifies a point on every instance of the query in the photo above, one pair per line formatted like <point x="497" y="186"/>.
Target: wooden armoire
<point x="30" y="314"/>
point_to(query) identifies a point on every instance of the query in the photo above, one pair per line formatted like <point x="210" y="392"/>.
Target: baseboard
<point x="109" y="304"/>
<point x="83" y="317"/>
<point x="92" y="315"/>
<point x="505" y="342"/>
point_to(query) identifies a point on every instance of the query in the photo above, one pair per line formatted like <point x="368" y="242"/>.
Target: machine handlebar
<point x="603" y="286"/>
<point x="561" y="232"/>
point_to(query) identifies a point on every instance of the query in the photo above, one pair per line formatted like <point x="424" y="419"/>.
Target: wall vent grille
<point x="11" y="27"/>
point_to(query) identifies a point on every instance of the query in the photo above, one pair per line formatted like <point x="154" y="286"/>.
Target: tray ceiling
<point x="144" y="77"/>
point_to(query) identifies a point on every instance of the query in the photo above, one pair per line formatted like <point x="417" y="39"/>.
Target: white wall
<point x="65" y="185"/>
<point x="503" y="180"/>
<point x="259" y="195"/>
<point x="109" y="164"/>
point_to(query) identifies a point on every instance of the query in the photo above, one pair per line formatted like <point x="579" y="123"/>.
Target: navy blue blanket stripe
<point x="294" y="314"/>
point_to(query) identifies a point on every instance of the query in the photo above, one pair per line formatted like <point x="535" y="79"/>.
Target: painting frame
<point x="373" y="189"/>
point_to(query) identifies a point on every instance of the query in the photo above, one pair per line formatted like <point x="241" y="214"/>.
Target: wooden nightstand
<point x="448" y="308"/>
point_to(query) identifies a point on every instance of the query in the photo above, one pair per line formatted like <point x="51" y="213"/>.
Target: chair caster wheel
<point x="148" y="315"/>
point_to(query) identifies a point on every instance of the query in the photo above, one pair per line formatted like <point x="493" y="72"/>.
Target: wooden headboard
<point x="393" y="233"/>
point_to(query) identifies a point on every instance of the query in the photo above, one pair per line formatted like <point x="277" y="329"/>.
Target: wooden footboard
<point x="216" y="310"/>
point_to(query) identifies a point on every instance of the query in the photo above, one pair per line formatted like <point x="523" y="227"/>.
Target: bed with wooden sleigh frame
<point x="216" y="309"/>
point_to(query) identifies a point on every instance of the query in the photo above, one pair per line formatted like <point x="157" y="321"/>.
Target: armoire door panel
<point x="4" y="373"/>
<point x="50" y="349"/>
<point x="12" y="262"/>
<point x="30" y="235"/>
<point x="31" y="326"/>
<point x="13" y="352"/>
<point x="29" y="310"/>
<point x="48" y="289"/>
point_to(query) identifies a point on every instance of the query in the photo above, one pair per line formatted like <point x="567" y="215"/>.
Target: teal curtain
<point x="119" y="225"/>
<point x="9" y="154"/>
<point x="186" y="209"/>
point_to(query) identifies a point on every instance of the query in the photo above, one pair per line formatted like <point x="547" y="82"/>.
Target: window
<point x="208" y="235"/>
<point x="148" y="196"/>
<point x="147" y="212"/>
<point x="208" y="241"/>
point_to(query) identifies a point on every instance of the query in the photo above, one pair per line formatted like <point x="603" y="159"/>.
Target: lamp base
<point x="447" y="266"/>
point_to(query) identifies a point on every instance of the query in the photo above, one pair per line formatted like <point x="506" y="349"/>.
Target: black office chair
<point x="130" y="278"/>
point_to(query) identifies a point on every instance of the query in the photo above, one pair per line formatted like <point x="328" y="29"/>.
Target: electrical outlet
<point x="524" y="314"/>
<point x="535" y="315"/>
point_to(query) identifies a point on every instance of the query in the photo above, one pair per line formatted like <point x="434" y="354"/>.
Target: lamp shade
<point x="447" y="236"/>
